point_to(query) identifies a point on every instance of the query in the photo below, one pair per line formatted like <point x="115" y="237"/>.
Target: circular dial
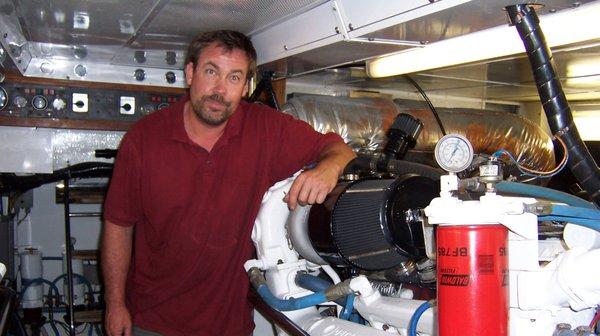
<point x="3" y="98"/>
<point x="39" y="102"/>
<point x="454" y="153"/>
<point x="20" y="101"/>
<point x="59" y="103"/>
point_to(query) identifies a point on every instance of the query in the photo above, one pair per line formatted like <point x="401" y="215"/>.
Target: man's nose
<point x="219" y="86"/>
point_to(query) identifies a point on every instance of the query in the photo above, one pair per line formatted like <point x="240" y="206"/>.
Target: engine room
<point x="470" y="208"/>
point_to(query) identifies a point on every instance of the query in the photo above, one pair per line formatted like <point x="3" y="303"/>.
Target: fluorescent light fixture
<point x="588" y="123"/>
<point x="584" y="73"/>
<point x="564" y="27"/>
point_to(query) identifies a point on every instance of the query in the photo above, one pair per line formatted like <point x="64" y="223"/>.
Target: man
<point x="186" y="189"/>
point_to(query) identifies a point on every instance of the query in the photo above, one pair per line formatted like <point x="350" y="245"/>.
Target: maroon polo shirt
<point x="193" y="212"/>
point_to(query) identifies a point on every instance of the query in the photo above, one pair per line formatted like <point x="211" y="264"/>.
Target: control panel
<point x="23" y="100"/>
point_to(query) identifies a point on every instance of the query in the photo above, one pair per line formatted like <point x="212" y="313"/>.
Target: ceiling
<point x="107" y="40"/>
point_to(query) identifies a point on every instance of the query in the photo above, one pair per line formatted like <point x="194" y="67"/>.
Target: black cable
<point x="431" y="107"/>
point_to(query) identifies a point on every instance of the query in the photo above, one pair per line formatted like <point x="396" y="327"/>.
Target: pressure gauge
<point x="20" y="101"/>
<point x="454" y="153"/>
<point x="39" y="102"/>
<point x="3" y="98"/>
<point x="59" y="103"/>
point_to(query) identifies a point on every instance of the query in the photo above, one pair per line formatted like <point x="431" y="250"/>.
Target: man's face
<point x="217" y="84"/>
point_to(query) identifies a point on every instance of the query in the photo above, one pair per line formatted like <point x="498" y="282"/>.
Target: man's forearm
<point x="116" y="258"/>
<point x="336" y="156"/>
<point x="313" y="185"/>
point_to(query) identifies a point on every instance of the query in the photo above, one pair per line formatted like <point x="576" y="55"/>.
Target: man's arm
<point x="116" y="257"/>
<point x="312" y="186"/>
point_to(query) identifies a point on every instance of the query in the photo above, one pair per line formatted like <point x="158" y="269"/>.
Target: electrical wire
<point x="27" y="212"/>
<point x="431" y="107"/>
<point x="536" y="173"/>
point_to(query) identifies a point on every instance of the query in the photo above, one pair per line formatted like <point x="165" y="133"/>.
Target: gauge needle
<point x="454" y="151"/>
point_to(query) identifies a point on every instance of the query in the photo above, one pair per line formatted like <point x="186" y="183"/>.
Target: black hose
<point x="400" y="167"/>
<point x="368" y="163"/>
<point x="431" y="107"/>
<point x="553" y="98"/>
<point x="9" y="182"/>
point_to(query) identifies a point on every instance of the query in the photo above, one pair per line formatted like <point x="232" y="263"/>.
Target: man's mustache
<point x="217" y="98"/>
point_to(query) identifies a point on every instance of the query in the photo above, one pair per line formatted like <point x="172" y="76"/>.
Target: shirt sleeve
<point x="298" y="145"/>
<point x="122" y="205"/>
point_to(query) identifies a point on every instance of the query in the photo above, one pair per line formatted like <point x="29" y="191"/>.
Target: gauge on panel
<point x="3" y="98"/>
<point x="20" y="101"/>
<point x="59" y="103"/>
<point x="147" y="109"/>
<point x="39" y="102"/>
<point x="454" y="153"/>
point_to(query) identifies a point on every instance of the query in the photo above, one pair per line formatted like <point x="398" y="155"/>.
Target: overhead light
<point x="560" y="28"/>
<point x="584" y="73"/>
<point x="587" y="120"/>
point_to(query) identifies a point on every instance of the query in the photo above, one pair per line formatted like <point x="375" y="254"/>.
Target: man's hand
<point x="117" y="321"/>
<point x="311" y="186"/>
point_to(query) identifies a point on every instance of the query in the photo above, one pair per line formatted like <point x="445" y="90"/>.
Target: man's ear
<point x="245" y="93"/>
<point x="189" y="73"/>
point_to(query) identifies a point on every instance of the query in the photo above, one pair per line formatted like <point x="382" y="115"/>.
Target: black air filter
<point x="369" y="224"/>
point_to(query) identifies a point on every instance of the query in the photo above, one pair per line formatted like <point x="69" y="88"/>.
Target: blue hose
<point x="293" y="303"/>
<point x="541" y="192"/>
<point x="37" y="281"/>
<point x="575" y="212"/>
<point x="345" y="315"/>
<point x="54" y="328"/>
<point x="414" y="320"/>
<point x="83" y="279"/>
<point x="316" y="284"/>
<point x="311" y="282"/>
<point x="588" y="223"/>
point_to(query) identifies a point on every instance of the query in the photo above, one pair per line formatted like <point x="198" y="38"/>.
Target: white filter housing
<point x="78" y="285"/>
<point x="32" y="293"/>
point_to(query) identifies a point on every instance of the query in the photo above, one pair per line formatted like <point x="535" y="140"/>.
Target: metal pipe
<point x="68" y="253"/>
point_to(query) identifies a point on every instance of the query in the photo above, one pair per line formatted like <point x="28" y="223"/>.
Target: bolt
<point x="385" y="327"/>
<point x="337" y="30"/>
<point x="279" y="262"/>
<point x="576" y="4"/>
<point x="350" y="26"/>
<point x="285" y="47"/>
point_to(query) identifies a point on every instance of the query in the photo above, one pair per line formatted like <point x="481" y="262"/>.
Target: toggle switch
<point x="127" y="105"/>
<point x="80" y="102"/>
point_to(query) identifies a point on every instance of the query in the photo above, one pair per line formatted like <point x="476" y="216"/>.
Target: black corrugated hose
<point x="554" y="102"/>
<point x="10" y="182"/>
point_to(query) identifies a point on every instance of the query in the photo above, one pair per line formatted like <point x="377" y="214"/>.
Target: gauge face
<point x="59" y="104"/>
<point x="39" y="102"/>
<point x="454" y="153"/>
<point x="20" y="101"/>
<point x="3" y="98"/>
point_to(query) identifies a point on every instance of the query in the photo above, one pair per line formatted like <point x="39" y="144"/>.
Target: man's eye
<point x="210" y="71"/>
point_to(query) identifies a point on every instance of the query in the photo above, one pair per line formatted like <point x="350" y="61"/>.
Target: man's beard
<point x="207" y="115"/>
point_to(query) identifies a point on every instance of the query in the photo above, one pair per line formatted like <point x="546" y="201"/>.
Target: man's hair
<point x="228" y="40"/>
